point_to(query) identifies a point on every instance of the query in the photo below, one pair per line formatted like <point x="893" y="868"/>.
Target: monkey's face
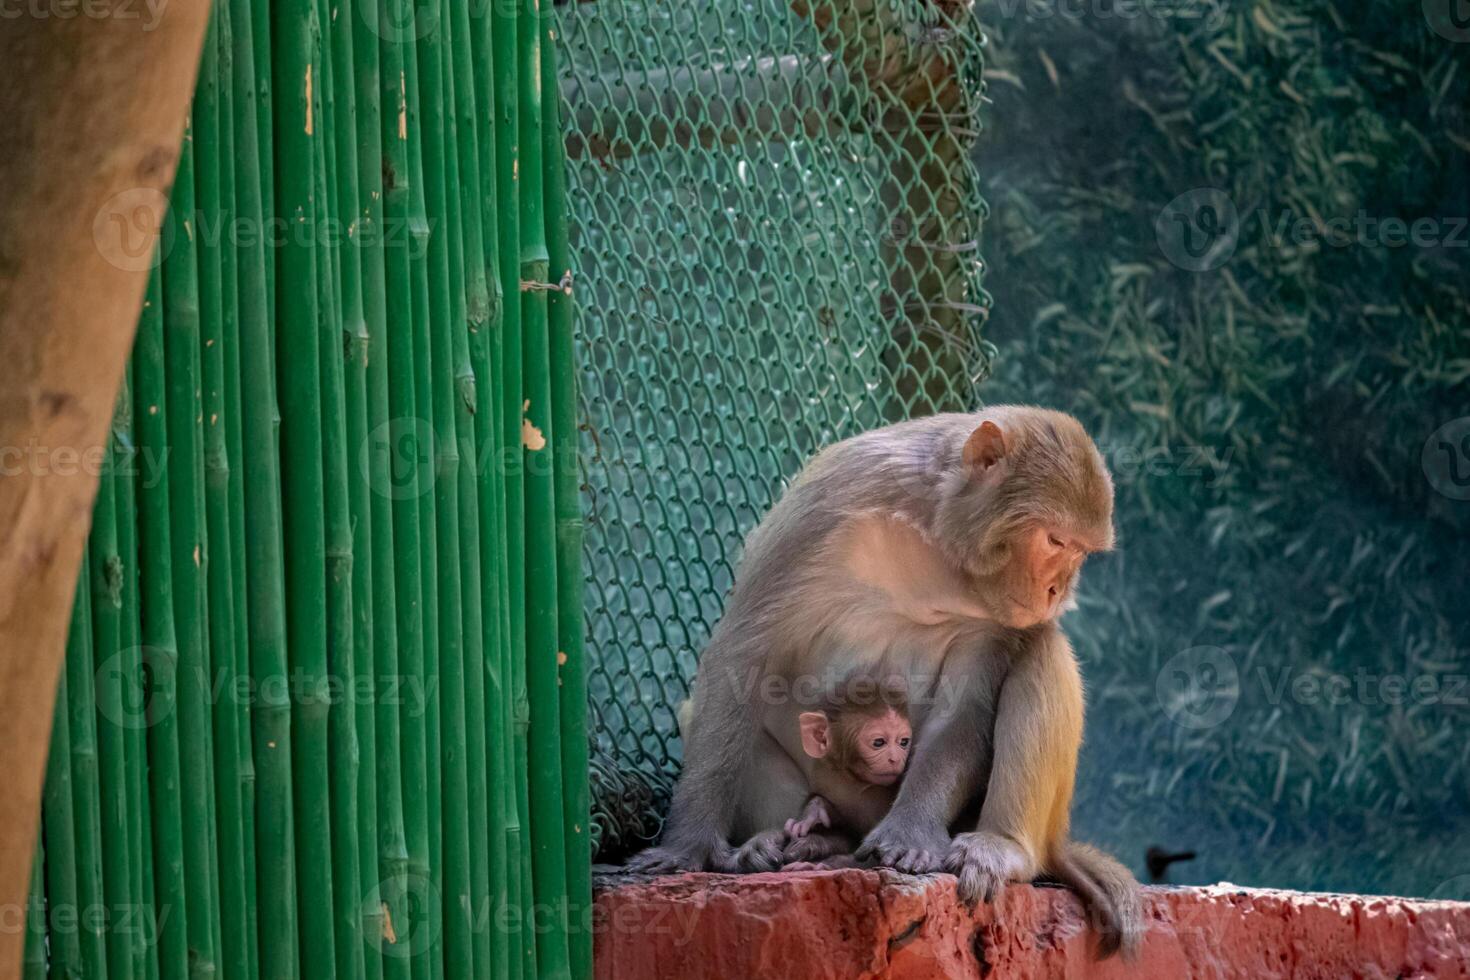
<point x="1043" y="501"/>
<point x="881" y="748"/>
<point x="1049" y="559"/>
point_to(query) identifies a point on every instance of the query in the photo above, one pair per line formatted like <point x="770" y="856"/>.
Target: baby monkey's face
<point x="881" y="748"/>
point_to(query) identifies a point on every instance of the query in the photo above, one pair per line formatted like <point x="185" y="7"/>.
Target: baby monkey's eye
<point x="1056" y="542"/>
<point x="878" y="743"/>
<point x="903" y="743"/>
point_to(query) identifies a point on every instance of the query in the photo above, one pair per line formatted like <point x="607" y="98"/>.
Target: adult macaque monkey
<point x="944" y="548"/>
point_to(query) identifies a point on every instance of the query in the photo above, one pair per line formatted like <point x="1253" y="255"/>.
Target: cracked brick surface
<point x="856" y="924"/>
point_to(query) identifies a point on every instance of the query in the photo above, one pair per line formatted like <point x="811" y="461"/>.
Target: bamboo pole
<point x="548" y="837"/>
<point x="339" y="558"/>
<point x="385" y="895"/>
<point x="408" y="435"/>
<point x="64" y="347"/>
<point x="507" y="119"/>
<point x="160" y="648"/>
<point x="355" y="346"/>
<point x="59" y="820"/>
<point x="572" y="677"/>
<point x="209" y="160"/>
<point x="277" y="935"/>
<point x="186" y="502"/>
<point x="116" y="803"/>
<point x="232" y="714"/>
<point x="487" y="349"/>
<point x="129" y="680"/>
<point x="484" y="768"/>
<point x="438" y="159"/>
<point x="426" y="677"/>
<point x="81" y="705"/>
<point x="298" y="125"/>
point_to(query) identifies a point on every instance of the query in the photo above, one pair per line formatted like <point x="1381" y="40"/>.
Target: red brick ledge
<point x="851" y="924"/>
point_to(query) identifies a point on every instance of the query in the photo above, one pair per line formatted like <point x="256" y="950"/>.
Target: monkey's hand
<point x="761" y="853"/>
<point x="914" y="849"/>
<point x="671" y="858"/>
<point x="984" y="863"/>
<point x="815" y="815"/>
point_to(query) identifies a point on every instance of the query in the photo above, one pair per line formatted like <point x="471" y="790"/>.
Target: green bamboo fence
<point x="323" y="712"/>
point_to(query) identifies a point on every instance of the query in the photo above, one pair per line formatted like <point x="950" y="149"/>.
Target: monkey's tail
<point x="1110" y="894"/>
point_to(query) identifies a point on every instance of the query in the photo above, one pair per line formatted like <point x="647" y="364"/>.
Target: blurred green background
<point x="1278" y="655"/>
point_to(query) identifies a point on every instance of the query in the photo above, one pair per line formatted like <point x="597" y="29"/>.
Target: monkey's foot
<point x="761" y="853"/>
<point x="670" y="859"/>
<point x="833" y="863"/>
<point x="912" y="850"/>
<point x="806" y="850"/>
<point x="984" y="863"/>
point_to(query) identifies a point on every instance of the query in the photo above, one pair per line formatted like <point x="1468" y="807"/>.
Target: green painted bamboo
<point x="507" y="141"/>
<point x="385" y="896"/>
<point x="548" y="837"/>
<point x="363" y="864"/>
<point x="426" y="679"/>
<point x="341" y="649"/>
<point x="261" y="17"/>
<point x="209" y="158"/>
<point x="160" y="648"/>
<point x="58" y="823"/>
<point x="187" y="532"/>
<point x="453" y="851"/>
<point x="467" y="264"/>
<point x="407" y="436"/>
<point x="277" y="927"/>
<point x="82" y="730"/>
<point x="297" y="133"/>
<point x="572" y="679"/>
<point x="241" y="950"/>
<point x="487" y="349"/>
<point x="120" y="858"/>
<point x="33" y="960"/>
<point x="129" y="676"/>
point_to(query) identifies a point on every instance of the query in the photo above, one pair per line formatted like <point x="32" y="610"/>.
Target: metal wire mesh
<point x="775" y="228"/>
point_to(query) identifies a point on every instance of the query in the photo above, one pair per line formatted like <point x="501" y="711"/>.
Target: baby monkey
<point x="857" y="743"/>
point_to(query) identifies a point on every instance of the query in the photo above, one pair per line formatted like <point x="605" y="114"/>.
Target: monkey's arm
<point x="1038" y="729"/>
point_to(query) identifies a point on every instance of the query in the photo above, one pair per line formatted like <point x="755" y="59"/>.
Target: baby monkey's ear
<point x="816" y="734"/>
<point x="985" y="447"/>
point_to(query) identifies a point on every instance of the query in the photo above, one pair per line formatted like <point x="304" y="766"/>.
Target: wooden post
<point x="92" y="140"/>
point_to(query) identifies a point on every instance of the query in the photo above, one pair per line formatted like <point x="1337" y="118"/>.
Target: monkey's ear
<point x="985" y="447"/>
<point x="816" y="734"/>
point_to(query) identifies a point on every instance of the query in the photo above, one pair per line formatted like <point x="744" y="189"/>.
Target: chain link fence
<point x="775" y="230"/>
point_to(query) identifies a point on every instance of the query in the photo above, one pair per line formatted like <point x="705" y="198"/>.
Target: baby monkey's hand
<point x="814" y="817"/>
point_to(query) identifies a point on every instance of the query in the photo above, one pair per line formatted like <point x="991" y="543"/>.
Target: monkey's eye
<point x="878" y="743"/>
<point x="903" y="743"/>
<point x="1055" y="541"/>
